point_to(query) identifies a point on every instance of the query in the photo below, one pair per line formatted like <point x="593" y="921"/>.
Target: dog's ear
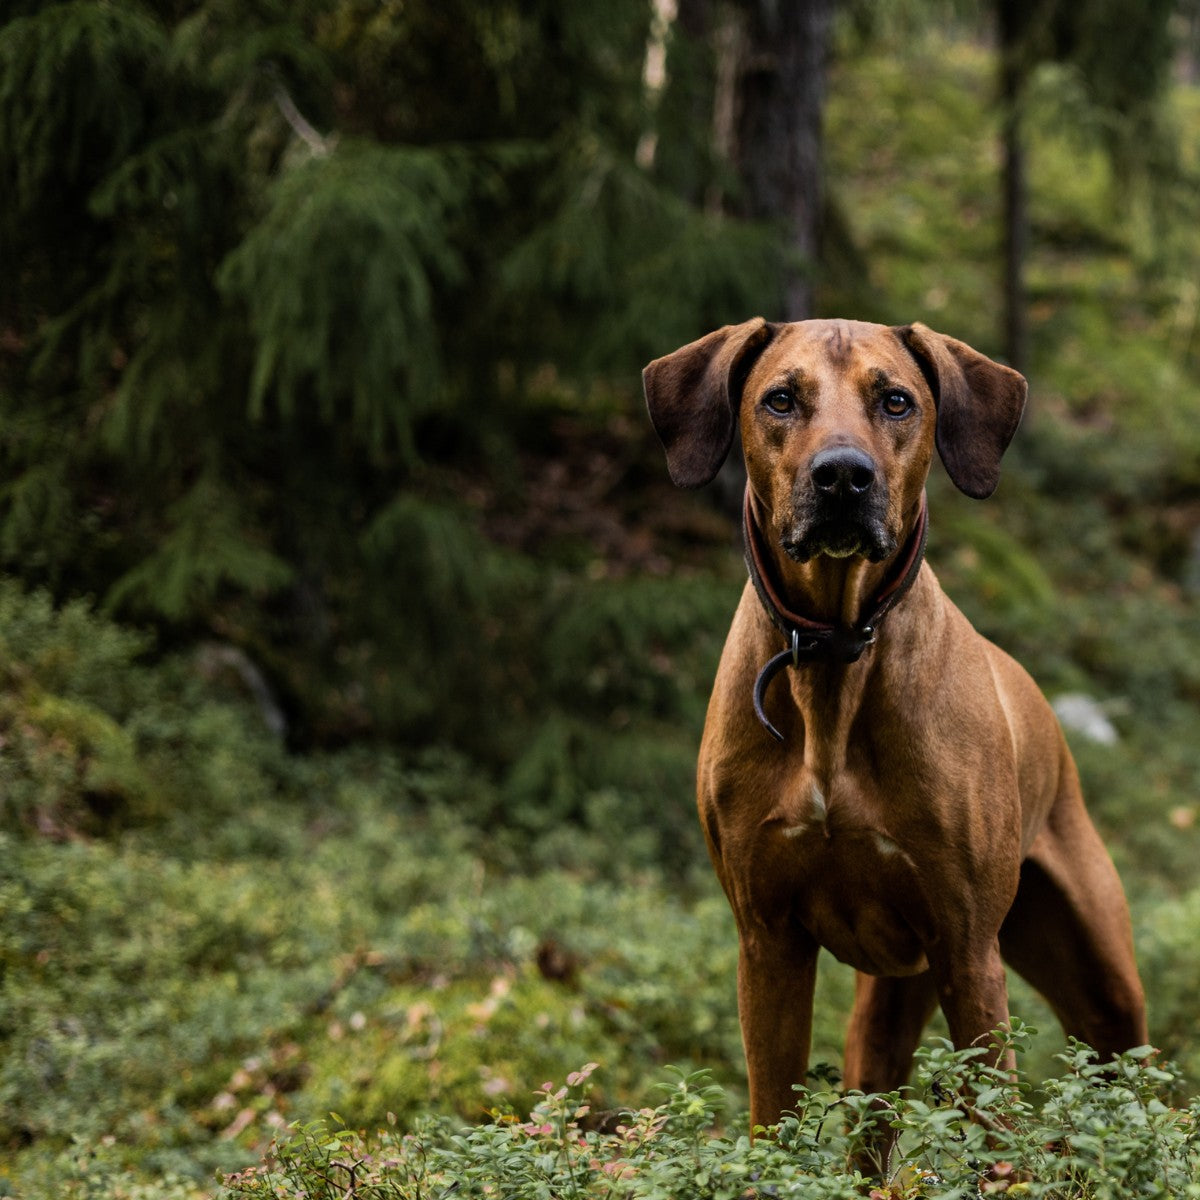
<point x="979" y="406"/>
<point x="693" y="395"/>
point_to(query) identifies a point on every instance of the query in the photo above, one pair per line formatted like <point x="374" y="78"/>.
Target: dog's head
<point x="839" y="420"/>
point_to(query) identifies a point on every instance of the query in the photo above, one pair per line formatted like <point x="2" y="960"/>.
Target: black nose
<point x="843" y="473"/>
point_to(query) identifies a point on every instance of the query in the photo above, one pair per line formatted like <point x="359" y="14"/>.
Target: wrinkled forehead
<point x="828" y="352"/>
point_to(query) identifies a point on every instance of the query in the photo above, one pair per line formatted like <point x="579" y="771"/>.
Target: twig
<point x="301" y="126"/>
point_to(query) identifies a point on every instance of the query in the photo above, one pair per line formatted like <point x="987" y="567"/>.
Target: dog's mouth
<point x="840" y="541"/>
<point x="838" y="535"/>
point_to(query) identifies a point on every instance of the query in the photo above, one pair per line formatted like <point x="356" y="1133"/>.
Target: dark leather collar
<point x="816" y="641"/>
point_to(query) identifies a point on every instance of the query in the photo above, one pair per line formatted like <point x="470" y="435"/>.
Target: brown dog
<point x="901" y="794"/>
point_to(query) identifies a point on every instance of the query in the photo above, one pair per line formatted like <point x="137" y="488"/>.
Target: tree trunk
<point x="654" y="75"/>
<point x="779" y="130"/>
<point x="1013" y="25"/>
<point x="1016" y="247"/>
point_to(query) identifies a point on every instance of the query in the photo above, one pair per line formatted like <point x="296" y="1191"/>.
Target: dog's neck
<point x="833" y="591"/>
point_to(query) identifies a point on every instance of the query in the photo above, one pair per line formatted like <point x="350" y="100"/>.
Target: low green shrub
<point x="964" y="1129"/>
<point x="101" y="736"/>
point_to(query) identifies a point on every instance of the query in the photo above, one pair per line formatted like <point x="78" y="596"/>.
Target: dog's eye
<point x="779" y="401"/>
<point x="897" y="404"/>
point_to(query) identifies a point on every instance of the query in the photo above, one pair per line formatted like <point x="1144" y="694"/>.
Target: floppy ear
<point x="693" y="394"/>
<point x="979" y="405"/>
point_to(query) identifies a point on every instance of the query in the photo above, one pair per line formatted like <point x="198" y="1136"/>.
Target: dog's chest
<point x="851" y="878"/>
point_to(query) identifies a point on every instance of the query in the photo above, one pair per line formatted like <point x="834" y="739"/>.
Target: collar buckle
<point x="802" y="648"/>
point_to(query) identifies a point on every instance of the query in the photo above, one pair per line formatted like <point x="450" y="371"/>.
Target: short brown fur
<point x="922" y="818"/>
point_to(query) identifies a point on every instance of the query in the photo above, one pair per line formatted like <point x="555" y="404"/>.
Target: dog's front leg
<point x="776" y="973"/>
<point x="974" y="995"/>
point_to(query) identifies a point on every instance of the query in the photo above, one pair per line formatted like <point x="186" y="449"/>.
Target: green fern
<point x="338" y="280"/>
<point x="205" y="548"/>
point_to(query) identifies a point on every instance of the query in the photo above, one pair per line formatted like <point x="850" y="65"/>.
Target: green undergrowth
<point x="234" y="939"/>
<point x="961" y="1129"/>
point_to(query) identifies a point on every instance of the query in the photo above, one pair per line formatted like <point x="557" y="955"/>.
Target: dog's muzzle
<point x="840" y="509"/>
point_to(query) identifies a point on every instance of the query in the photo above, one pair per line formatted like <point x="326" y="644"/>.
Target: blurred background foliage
<point x="354" y="647"/>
